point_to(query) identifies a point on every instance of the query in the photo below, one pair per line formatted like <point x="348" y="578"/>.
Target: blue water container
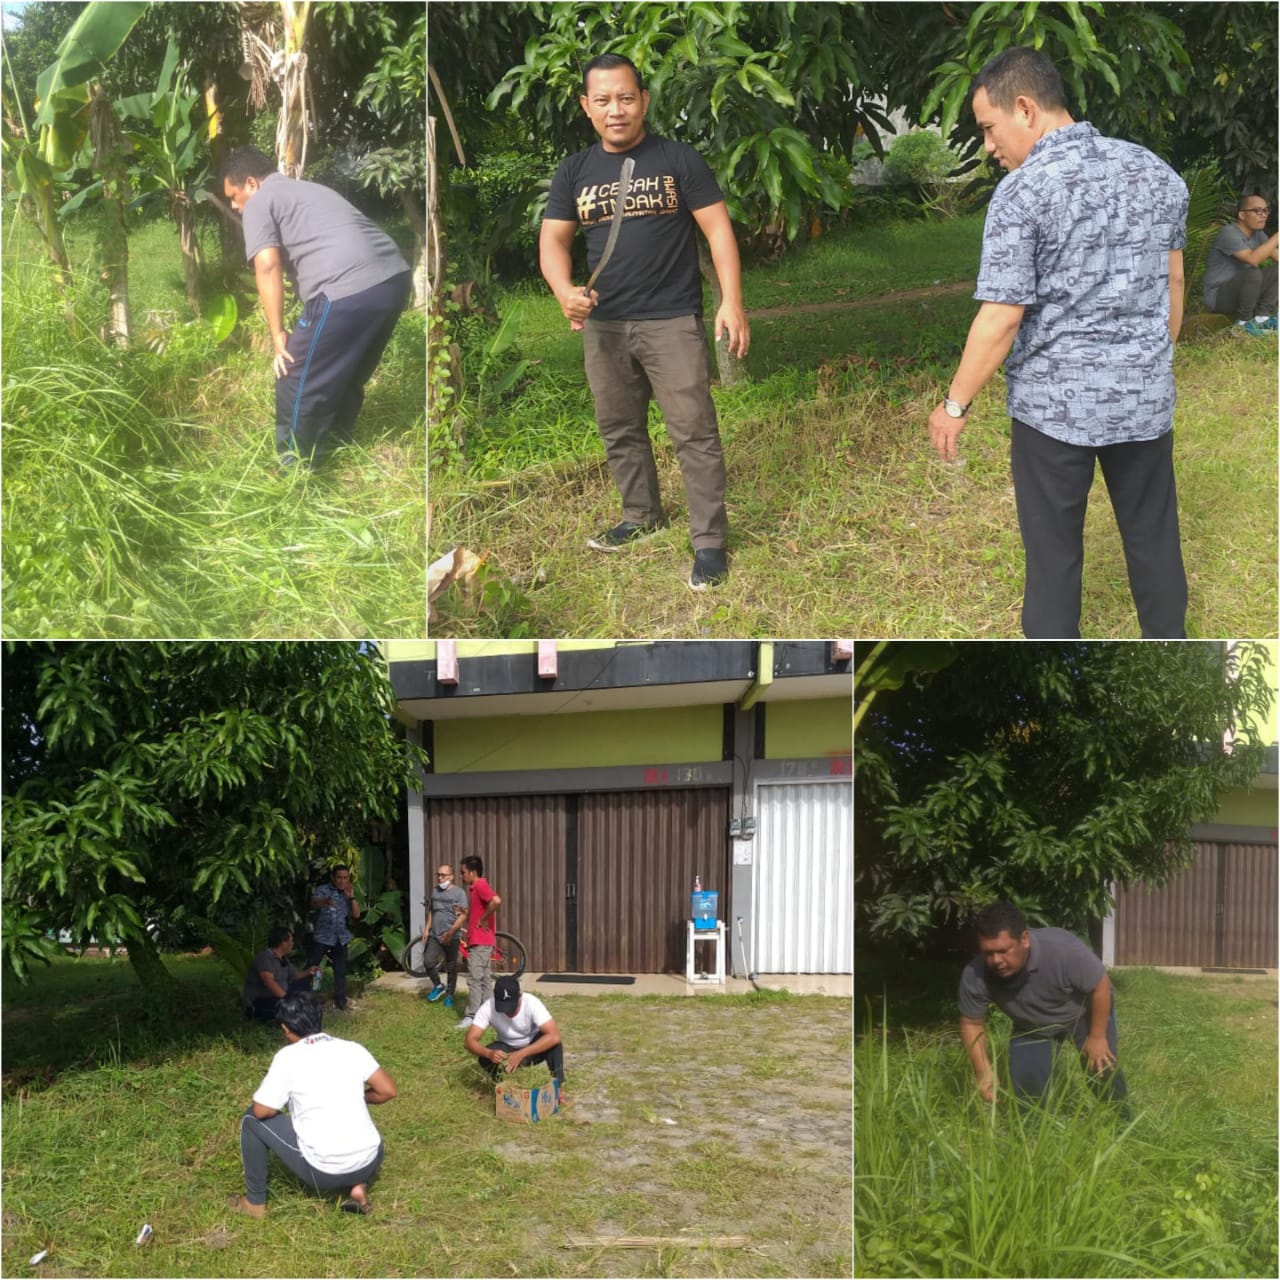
<point x="704" y="908"/>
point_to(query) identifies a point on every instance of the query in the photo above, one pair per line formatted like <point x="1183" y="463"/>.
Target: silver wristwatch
<point x="954" y="409"/>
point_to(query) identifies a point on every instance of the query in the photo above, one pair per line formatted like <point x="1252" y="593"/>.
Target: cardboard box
<point x="526" y="1106"/>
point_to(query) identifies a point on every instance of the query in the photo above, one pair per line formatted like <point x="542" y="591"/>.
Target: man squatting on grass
<point x="1237" y="281"/>
<point x="327" y="1139"/>
<point x="642" y="329"/>
<point x="1052" y="987"/>
<point x="353" y="285"/>
<point x="1081" y="288"/>
<point x="527" y="1033"/>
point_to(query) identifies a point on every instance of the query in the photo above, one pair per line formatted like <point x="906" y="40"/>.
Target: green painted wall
<point x="1256" y="808"/>
<point x="671" y="735"/>
<point x="808" y="727"/>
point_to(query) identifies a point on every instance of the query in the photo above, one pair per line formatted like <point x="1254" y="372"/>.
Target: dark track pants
<point x="1251" y="293"/>
<point x="337" y="954"/>
<point x="264" y="1008"/>
<point x="336" y="346"/>
<point x="554" y="1058"/>
<point x="1051" y="482"/>
<point x="258" y="1137"/>
<point x="1031" y="1062"/>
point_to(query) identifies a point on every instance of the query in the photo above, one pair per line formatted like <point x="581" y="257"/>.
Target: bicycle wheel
<point x="414" y="959"/>
<point x="509" y="958"/>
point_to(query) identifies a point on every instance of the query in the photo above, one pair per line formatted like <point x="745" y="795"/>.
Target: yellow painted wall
<point x="808" y="727"/>
<point x="674" y="735"/>
<point x="1271" y="726"/>
<point x="1256" y="808"/>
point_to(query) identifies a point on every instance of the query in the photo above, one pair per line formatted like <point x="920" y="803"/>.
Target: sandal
<point x="241" y="1205"/>
<point x="354" y="1206"/>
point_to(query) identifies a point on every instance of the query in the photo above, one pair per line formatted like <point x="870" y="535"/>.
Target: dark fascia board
<point x="807" y="658"/>
<point x="618" y="666"/>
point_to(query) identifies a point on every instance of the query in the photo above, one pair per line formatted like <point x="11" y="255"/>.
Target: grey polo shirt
<point x="1079" y="235"/>
<point x="328" y="245"/>
<point x="1051" y="991"/>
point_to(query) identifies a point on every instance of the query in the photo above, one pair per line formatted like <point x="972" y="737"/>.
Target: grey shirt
<point x="1222" y="265"/>
<point x="1051" y="991"/>
<point x="266" y="961"/>
<point x="443" y="902"/>
<point x="328" y="245"/>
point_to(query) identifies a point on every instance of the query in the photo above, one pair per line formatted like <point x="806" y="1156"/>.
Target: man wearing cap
<point x="527" y="1033"/>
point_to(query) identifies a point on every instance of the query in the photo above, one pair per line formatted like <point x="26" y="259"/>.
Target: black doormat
<point x="599" y="979"/>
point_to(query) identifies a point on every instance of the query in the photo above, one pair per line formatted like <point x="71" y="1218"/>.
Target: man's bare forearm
<point x="974" y="1037"/>
<point x="270" y="281"/>
<point x="1100" y="1007"/>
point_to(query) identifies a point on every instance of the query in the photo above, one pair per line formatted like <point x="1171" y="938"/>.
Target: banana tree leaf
<point x="93" y="189"/>
<point x="95" y="36"/>
<point x="221" y="314"/>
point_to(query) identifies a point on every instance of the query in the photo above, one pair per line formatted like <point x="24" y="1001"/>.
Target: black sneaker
<point x="710" y="568"/>
<point x="621" y="535"/>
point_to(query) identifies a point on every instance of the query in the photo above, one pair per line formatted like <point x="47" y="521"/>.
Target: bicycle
<point x="507" y="960"/>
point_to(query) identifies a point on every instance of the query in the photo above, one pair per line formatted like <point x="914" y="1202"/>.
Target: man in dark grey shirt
<point x="1237" y="281"/>
<point x="353" y="285"/>
<point x="1053" y="988"/>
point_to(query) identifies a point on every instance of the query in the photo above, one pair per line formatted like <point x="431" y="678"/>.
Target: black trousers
<point x="554" y="1058"/>
<point x="263" y="1008"/>
<point x="337" y="954"/>
<point x="1031" y="1061"/>
<point x="437" y="952"/>
<point x="336" y="346"/>
<point x="259" y="1137"/>
<point x="1051" y="482"/>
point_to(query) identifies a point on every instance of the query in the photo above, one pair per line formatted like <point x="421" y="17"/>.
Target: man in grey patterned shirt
<point x="1081" y="288"/>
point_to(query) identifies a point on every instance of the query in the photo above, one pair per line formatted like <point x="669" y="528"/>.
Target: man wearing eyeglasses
<point x="1081" y="286"/>
<point x="1237" y="280"/>
<point x="446" y="914"/>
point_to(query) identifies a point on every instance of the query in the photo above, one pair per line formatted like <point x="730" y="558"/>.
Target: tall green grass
<point x="141" y="495"/>
<point x="947" y="1185"/>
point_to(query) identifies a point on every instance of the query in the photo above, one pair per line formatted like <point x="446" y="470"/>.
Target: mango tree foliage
<point x="773" y="96"/>
<point x="1041" y="772"/>
<point x="149" y="783"/>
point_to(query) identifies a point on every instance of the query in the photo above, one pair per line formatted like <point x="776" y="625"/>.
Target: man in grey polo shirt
<point x="1081" y="288"/>
<point x="1054" y="989"/>
<point x="1237" y="281"/>
<point x="353" y="285"/>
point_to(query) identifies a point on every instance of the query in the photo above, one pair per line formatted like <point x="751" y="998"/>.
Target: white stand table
<point x="713" y="935"/>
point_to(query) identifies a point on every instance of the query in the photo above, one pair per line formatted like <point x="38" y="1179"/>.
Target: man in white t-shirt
<point x="527" y="1033"/>
<point x="327" y="1138"/>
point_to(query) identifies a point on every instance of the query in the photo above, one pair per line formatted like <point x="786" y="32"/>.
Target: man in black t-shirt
<point x="642" y="327"/>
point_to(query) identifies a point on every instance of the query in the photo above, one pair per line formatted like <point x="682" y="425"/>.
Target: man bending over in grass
<point x="1054" y="989"/>
<point x="353" y="285"/>
<point x="327" y="1139"/>
<point x="1081" y="288"/>
<point x="527" y="1033"/>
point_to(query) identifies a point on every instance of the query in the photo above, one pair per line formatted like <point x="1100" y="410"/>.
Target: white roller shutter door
<point x="803" y="878"/>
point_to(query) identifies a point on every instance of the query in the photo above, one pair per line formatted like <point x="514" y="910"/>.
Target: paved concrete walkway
<point x="645" y="984"/>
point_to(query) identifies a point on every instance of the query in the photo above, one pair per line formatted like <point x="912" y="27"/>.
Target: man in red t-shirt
<point x="481" y="936"/>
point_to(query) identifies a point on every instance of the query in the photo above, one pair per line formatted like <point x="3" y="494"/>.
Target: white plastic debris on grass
<point x="458" y="566"/>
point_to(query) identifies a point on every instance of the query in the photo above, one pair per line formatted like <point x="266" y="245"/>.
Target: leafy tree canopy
<point x="146" y="784"/>
<point x="1040" y="773"/>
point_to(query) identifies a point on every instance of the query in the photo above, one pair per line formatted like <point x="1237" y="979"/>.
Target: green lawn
<point x="692" y="1118"/>
<point x="949" y="1186"/>
<point x="842" y="522"/>
<point x="141" y="493"/>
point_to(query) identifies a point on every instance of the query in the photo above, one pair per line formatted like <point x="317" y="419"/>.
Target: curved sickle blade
<point x="615" y="224"/>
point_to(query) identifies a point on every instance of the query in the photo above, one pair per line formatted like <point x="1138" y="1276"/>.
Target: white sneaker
<point x="466" y="1022"/>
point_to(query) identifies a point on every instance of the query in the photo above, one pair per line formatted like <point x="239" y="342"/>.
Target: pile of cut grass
<point x="142" y="496"/>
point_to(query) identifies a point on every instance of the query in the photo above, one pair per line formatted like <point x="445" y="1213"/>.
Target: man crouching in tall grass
<point x="1054" y="989"/>
<point x="353" y="285"/>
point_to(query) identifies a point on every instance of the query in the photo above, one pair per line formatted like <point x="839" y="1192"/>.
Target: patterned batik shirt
<point x="1080" y="235"/>
<point x="331" y="918"/>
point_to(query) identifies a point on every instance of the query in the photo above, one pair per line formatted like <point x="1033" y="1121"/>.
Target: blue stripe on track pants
<point x="336" y="346"/>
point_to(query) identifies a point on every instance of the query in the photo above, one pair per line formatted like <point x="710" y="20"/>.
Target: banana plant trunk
<point x="731" y="368"/>
<point x="184" y="214"/>
<point x="417" y="220"/>
<point x="109" y="160"/>
<point x="291" y="128"/>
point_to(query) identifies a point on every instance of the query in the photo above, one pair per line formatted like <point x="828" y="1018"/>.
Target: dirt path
<point x="858" y="304"/>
